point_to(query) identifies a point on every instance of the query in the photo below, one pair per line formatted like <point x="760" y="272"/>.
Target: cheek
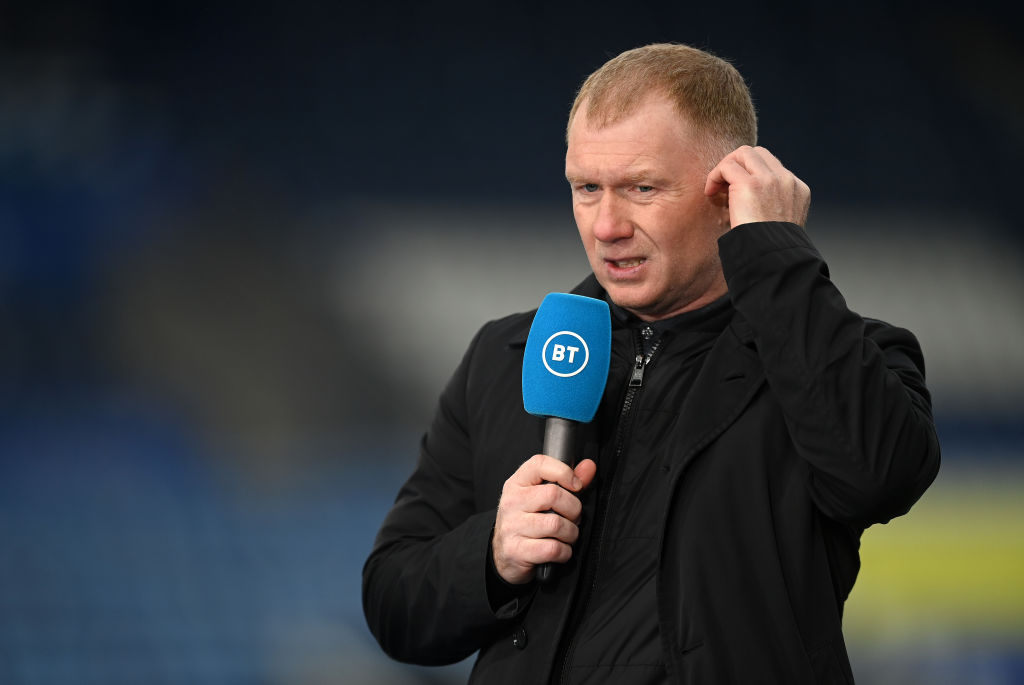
<point x="583" y="226"/>
<point x="577" y="214"/>
<point x="692" y="248"/>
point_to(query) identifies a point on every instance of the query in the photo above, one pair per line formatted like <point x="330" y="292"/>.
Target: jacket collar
<point x="729" y="379"/>
<point x="589" y="287"/>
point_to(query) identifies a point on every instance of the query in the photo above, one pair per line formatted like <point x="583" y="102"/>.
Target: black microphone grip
<point x="560" y="443"/>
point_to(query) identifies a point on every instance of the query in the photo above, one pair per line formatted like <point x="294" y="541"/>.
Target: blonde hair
<point x="707" y="91"/>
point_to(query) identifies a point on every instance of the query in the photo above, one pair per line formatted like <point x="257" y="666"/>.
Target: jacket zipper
<point x="589" y="582"/>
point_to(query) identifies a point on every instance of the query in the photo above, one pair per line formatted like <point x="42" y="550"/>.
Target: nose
<point x="612" y="221"/>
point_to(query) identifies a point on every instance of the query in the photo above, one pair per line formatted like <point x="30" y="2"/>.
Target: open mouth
<point x="627" y="263"/>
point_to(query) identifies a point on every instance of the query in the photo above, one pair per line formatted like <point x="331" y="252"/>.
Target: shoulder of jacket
<point x="513" y="330"/>
<point x="508" y="331"/>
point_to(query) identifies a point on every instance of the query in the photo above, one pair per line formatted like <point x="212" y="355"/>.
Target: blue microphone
<point x="565" y="369"/>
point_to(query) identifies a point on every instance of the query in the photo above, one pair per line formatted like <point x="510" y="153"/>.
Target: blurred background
<point x="242" y="246"/>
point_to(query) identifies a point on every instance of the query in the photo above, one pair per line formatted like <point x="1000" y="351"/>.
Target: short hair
<point x="707" y="90"/>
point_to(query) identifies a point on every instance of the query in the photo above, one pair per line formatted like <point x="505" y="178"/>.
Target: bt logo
<point x="565" y="354"/>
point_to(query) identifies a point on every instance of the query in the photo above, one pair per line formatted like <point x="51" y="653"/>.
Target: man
<point x="751" y="428"/>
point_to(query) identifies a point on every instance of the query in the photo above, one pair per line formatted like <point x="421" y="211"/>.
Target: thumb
<point x="585" y="471"/>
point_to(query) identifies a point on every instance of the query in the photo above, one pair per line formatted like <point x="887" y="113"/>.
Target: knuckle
<point x="507" y="502"/>
<point x="502" y="533"/>
<point x="513" y="551"/>
<point x="551" y="525"/>
<point x="527" y="468"/>
<point x="551" y="549"/>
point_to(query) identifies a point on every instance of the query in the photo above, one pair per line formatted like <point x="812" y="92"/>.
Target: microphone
<point x="565" y="369"/>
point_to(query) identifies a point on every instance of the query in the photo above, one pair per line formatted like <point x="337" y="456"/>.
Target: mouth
<point x="631" y="263"/>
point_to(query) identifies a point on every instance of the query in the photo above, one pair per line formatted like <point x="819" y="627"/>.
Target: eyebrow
<point x="634" y="177"/>
<point x="640" y="176"/>
<point x="573" y="176"/>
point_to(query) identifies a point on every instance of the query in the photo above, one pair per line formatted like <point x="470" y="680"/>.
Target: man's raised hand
<point x="759" y="188"/>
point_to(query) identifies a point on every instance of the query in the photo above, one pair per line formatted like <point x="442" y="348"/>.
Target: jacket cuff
<point x="749" y="242"/>
<point x="507" y="600"/>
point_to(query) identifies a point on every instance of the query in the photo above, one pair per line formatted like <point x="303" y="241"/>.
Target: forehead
<point x="654" y="135"/>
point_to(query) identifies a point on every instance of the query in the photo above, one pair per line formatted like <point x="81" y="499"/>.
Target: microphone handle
<point x="560" y="443"/>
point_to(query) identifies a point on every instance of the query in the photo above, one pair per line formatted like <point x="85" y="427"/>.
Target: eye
<point x="590" y="187"/>
<point x="645" y="189"/>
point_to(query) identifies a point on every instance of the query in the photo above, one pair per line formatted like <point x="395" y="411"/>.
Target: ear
<point x="720" y="200"/>
<point x="720" y="208"/>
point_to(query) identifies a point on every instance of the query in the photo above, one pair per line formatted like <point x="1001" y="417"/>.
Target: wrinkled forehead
<point x="654" y="120"/>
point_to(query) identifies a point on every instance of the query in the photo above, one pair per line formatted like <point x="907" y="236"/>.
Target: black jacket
<point x="806" y="424"/>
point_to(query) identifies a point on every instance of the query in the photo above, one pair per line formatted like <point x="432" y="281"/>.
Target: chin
<point x="629" y="300"/>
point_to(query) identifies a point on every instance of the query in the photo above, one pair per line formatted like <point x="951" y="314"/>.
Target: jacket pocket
<point x="688" y="666"/>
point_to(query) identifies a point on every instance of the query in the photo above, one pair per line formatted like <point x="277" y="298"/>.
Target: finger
<point x="769" y="159"/>
<point x="544" y="498"/>
<point x="586" y="471"/>
<point x="514" y="531"/>
<point x="548" y="525"/>
<point x="725" y="173"/>
<point x="757" y="161"/>
<point x="540" y="468"/>
<point x="716" y="183"/>
<point x="536" y="551"/>
<point x="515" y="556"/>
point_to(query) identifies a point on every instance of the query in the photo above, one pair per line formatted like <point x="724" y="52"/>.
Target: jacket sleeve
<point x="852" y="389"/>
<point x="425" y="581"/>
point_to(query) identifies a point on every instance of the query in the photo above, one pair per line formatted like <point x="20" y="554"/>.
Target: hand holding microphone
<point x="565" y="369"/>
<point x="538" y="516"/>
